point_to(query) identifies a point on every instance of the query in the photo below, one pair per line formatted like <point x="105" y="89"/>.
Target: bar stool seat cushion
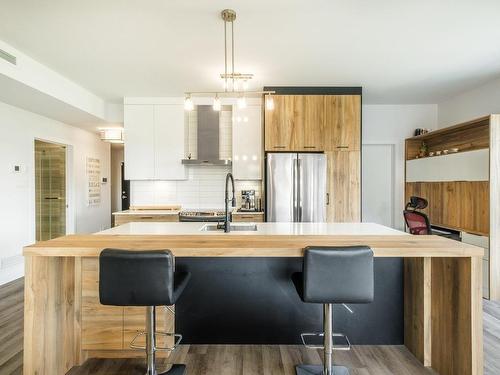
<point x="139" y="278"/>
<point x="336" y="275"/>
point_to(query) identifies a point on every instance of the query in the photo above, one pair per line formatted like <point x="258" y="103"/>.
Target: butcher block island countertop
<point x="441" y="283"/>
<point x="270" y="239"/>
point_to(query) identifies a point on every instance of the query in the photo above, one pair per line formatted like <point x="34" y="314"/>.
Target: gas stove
<point x="202" y="215"/>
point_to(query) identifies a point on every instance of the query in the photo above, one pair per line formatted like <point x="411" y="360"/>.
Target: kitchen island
<point x="441" y="316"/>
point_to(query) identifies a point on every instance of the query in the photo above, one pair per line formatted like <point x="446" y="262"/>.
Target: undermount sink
<point x="234" y="228"/>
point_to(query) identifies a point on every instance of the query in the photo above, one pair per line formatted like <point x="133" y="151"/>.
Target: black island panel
<point x="249" y="300"/>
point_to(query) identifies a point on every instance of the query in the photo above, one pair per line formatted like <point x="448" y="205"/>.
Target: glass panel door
<point x="50" y="190"/>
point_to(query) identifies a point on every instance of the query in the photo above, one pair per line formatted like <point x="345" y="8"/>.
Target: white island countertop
<point x="264" y="229"/>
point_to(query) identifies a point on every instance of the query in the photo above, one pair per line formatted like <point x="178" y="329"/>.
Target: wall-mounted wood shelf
<point x="467" y="136"/>
<point x="472" y="205"/>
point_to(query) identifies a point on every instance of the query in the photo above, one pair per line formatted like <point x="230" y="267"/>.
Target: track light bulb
<point x="269" y="102"/>
<point x="217" y="104"/>
<point x="188" y="103"/>
<point x="242" y="102"/>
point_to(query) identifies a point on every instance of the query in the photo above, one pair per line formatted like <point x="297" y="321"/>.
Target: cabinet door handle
<point x="342" y="146"/>
<point x="279" y="146"/>
<point x="146" y="217"/>
<point x="327" y="199"/>
<point x="309" y="146"/>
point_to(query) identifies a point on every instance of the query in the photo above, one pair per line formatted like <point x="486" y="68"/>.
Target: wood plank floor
<point x="11" y="327"/>
<point x="491" y="330"/>
<point x="267" y="360"/>
<point x="239" y="360"/>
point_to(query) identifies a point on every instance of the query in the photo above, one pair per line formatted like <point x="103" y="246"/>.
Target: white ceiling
<point x="400" y="51"/>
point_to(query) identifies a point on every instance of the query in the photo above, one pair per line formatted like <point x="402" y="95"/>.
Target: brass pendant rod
<point x="232" y="49"/>
<point x="225" y="56"/>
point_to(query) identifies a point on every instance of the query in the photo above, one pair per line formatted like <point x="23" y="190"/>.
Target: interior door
<point x="312" y="187"/>
<point x="281" y="187"/>
<point x="378" y="184"/>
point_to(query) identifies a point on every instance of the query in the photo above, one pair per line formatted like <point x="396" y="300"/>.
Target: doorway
<point x="50" y="190"/>
<point x="378" y="184"/>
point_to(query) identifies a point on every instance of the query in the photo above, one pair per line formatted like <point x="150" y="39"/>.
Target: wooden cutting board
<point x="173" y="207"/>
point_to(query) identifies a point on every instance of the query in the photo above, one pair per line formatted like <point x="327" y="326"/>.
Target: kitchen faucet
<point x="227" y="227"/>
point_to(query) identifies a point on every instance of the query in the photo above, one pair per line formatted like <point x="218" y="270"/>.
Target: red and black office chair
<point x="417" y="222"/>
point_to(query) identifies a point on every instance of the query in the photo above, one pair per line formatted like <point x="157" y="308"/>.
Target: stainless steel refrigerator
<point x="295" y="187"/>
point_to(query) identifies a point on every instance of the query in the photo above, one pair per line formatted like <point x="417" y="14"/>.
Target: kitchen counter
<point x="147" y="212"/>
<point x="263" y="229"/>
<point x="427" y="292"/>
<point x="270" y="240"/>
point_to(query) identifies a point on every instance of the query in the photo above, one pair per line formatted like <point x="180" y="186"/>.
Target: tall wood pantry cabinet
<point x="327" y="120"/>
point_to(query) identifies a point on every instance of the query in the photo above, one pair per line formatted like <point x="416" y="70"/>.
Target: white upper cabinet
<point x="169" y="142"/>
<point x="139" y="142"/>
<point x="247" y="143"/>
<point x="154" y="141"/>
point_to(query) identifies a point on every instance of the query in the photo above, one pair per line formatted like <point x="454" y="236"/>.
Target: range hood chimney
<point x="208" y="138"/>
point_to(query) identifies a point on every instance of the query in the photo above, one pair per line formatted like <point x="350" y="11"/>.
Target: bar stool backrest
<point x="338" y="274"/>
<point x="136" y="278"/>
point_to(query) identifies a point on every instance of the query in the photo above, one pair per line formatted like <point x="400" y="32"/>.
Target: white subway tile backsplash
<point x="204" y="189"/>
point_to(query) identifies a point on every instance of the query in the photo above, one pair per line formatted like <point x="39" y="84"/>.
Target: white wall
<point x="18" y="129"/>
<point x="391" y="124"/>
<point x="481" y="101"/>
<point x="41" y="79"/>
<point x="116" y="178"/>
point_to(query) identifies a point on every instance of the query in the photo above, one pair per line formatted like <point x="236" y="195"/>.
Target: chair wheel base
<point x="175" y="370"/>
<point x="318" y="370"/>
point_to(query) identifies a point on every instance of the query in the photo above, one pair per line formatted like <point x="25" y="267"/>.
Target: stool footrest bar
<point x="178" y="339"/>
<point x="345" y="347"/>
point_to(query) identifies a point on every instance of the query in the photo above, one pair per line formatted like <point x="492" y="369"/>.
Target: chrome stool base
<point x="174" y="370"/>
<point x="318" y="370"/>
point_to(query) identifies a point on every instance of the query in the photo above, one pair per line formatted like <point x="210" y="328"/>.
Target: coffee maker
<point x="248" y="200"/>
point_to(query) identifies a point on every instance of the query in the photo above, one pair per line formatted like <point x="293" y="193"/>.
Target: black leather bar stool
<point x="333" y="275"/>
<point x="143" y="278"/>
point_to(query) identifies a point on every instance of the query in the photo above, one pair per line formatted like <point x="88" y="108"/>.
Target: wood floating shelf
<point x="467" y="136"/>
<point x="437" y="156"/>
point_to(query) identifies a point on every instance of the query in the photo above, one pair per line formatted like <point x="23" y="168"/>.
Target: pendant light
<point x="235" y="84"/>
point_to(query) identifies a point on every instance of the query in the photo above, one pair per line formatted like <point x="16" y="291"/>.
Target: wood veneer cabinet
<point x="112" y="328"/>
<point x="295" y="124"/>
<point x="323" y="123"/>
<point x="343" y="186"/>
<point x="342" y="123"/>
<point x="314" y="123"/>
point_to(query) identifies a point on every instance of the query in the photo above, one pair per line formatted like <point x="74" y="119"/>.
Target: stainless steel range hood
<point x="208" y="138"/>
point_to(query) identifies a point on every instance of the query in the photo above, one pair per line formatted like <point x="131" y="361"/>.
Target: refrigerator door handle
<point x="299" y="194"/>
<point x="294" y="190"/>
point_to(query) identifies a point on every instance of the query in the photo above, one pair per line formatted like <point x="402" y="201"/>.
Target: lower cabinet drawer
<point x="124" y="219"/>
<point x="258" y="218"/>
